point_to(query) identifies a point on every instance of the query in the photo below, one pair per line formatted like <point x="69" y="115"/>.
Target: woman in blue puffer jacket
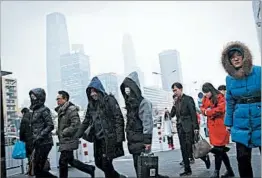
<point x="243" y="108"/>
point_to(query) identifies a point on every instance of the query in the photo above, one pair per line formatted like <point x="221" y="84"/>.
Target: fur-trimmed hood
<point x="247" y="60"/>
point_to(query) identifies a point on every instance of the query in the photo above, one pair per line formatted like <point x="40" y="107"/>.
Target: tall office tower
<point x="75" y="75"/>
<point x="57" y="44"/>
<point x="110" y="83"/>
<point x="129" y="55"/>
<point x="170" y="66"/>
<point x="257" y="6"/>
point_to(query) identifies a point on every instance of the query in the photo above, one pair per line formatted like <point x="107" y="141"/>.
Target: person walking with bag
<point x="168" y="129"/>
<point x="243" y="109"/>
<point x="187" y="125"/>
<point x="68" y="125"/>
<point x="139" y="125"/>
<point x="213" y="106"/>
<point x="41" y="126"/>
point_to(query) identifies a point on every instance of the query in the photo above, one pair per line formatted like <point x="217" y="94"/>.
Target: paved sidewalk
<point x="169" y="165"/>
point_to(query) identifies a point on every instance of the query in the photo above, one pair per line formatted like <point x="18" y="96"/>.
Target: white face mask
<point x="127" y="91"/>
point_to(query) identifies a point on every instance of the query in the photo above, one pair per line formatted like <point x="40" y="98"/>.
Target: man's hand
<point x="228" y="129"/>
<point x="147" y="147"/>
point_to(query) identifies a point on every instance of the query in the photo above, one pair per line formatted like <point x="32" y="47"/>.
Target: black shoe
<point x="207" y="162"/>
<point x="228" y="174"/>
<point x="186" y="173"/>
<point x="181" y="163"/>
<point x="215" y="174"/>
<point x="192" y="160"/>
<point x="161" y="176"/>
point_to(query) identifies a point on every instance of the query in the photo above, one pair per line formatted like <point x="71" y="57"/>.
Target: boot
<point x="228" y="173"/>
<point x="169" y="146"/>
<point x="172" y="146"/>
<point x="187" y="172"/>
<point x="215" y="174"/>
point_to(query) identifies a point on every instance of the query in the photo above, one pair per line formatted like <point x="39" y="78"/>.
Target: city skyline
<point x="160" y="26"/>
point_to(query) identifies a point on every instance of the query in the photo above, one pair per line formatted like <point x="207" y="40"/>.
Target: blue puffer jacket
<point x="244" y="119"/>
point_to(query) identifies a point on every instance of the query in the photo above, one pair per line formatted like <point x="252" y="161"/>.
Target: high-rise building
<point x="257" y="6"/>
<point x="57" y="44"/>
<point x="129" y="54"/>
<point x="160" y="98"/>
<point x="75" y="76"/>
<point x="170" y="66"/>
<point x="10" y="99"/>
<point x="129" y="57"/>
<point x="110" y="83"/>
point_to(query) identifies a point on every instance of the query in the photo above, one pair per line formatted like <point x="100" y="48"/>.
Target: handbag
<point x="88" y="136"/>
<point x="147" y="166"/>
<point x="19" y="151"/>
<point x="200" y="147"/>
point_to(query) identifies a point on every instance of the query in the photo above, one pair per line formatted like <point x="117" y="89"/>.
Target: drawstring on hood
<point x="227" y="53"/>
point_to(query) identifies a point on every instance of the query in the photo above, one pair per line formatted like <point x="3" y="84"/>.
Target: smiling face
<point x="237" y="59"/>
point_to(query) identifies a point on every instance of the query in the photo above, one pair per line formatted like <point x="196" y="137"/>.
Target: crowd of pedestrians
<point x="232" y="109"/>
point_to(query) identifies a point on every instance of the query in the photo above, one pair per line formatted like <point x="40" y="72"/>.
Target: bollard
<point x="160" y="136"/>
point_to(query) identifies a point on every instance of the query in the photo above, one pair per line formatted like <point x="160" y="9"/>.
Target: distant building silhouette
<point x="57" y="44"/>
<point x="170" y="66"/>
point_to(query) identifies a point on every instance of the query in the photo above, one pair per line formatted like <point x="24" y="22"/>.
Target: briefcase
<point x="147" y="166"/>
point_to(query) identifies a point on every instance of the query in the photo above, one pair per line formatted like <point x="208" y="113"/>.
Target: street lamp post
<point x="3" y="165"/>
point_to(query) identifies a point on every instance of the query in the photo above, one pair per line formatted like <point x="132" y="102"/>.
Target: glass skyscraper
<point x="57" y="44"/>
<point x="257" y="5"/>
<point x="170" y="67"/>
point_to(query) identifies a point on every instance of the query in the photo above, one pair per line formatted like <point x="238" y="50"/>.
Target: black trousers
<point x="244" y="155"/>
<point x="221" y="157"/>
<point x="135" y="160"/>
<point x="67" y="157"/>
<point x="41" y="154"/>
<point x="103" y="162"/>
<point x="185" y="140"/>
<point x="170" y="140"/>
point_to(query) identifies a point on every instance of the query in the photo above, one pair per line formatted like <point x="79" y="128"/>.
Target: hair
<point x="24" y="110"/>
<point x="177" y="84"/>
<point x="64" y="95"/>
<point x="222" y="87"/>
<point x="208" y="87"/>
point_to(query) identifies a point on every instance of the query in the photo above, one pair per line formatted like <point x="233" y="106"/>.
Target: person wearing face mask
<point x="139" y="125"/>
<point x="213" y="106"/>
<point x="106" y="123"/>
<point x="187" y="126"/>
<point x="243" y="109"/>
<point x="41" y="126"/>
<point x="68" y="124"/>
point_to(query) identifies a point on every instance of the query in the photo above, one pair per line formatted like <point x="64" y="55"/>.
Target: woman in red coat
<point x="213" y="106"/>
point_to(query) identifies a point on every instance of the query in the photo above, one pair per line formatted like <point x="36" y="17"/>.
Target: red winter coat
<point x="218" y="134"/>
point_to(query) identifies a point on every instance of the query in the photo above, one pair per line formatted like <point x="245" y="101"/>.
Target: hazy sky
<point x="198" y="30"/>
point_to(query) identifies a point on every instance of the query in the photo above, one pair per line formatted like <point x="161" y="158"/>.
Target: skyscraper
<point x="257" y="6"/>
<point x="57" y="44"/>
<point x="129" y="57"/>
<point x="75" y="76"/>
<point x="129" y="54"/>
<point x="170" y="66"/>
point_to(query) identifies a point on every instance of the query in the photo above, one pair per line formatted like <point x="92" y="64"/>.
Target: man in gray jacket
<point x="68" y="125"/>
<point x="139" y="126"/>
